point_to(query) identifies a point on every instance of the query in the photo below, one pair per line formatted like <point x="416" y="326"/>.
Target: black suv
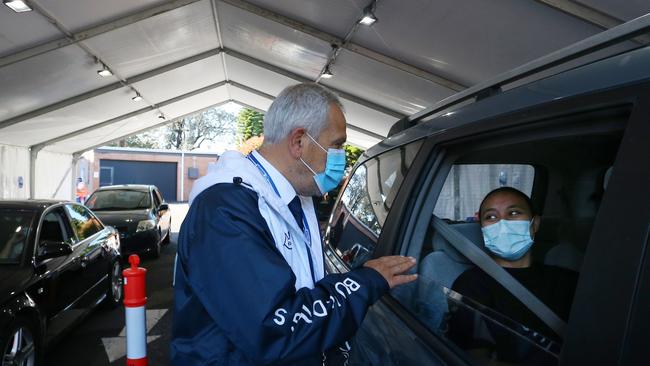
<point x="578" y="143"/>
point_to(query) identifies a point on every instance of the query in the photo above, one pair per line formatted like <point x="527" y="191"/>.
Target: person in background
<point x="81" y="192"/>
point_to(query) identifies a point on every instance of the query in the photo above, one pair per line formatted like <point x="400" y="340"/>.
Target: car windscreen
<point x="122" y="199"/>
<point x="14" y="230"/>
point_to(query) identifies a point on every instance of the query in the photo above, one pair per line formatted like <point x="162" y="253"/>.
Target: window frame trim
<point x="361" y="162"/>
<point x="37" y="235"/>
<point x="74" y="231"/>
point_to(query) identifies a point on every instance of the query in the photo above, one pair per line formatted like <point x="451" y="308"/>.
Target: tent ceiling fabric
<point x="186" y="55"/>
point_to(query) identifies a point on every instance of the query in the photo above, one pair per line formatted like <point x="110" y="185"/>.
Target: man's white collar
<point x="286" y="190"/>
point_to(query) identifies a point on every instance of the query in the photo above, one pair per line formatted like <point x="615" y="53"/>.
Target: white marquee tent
<point x="183" y="56"/>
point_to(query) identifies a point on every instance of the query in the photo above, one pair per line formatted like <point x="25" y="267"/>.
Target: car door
<point x="164" y="216"/>
<point x="561" y="161"/>
<point x="610" y="321"/>
<point x="351" y="238"/>
<point x="398" y="329"/>
<point x="60" y="286"/>
<point x="93" y="258"/>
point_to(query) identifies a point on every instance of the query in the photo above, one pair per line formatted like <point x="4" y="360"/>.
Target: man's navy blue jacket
<point x="235" y="297"/>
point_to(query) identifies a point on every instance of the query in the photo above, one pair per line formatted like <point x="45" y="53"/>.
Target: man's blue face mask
<point x="334" y="169"/>
<point x="508" y="239"/>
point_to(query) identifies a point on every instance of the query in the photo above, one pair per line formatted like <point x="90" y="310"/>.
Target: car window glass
<point x="467" y="184"/>
<point x="156" y="199"/>
<point x="83" y="223"/>
<point x="119" y="199"/>
<point x="98" y="224"/>
<point x="14" y="230"/>
<point x="455" y="298"/>
<point x="364" y="204"/>
<point x="54" y="227"/>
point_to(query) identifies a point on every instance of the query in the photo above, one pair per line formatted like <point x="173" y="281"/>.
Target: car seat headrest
<point x="470" y="230"/>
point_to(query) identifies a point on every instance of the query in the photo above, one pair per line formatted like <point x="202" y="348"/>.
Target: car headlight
<point x="146" y="225"/>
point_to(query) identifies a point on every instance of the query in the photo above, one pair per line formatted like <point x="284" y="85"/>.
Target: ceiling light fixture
<point x="104" y="72"/>
<point x="137" y="97"/>
<point x="327" y="74"/>
<point x="19" y="6"/>
<point x="368" y="17"/>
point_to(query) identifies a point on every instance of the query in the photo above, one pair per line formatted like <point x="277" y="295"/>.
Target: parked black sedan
<point x="57" y="262"/>
<point x="138" y="212"/>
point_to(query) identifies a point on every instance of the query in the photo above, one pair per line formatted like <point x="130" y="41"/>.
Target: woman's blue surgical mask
<point x="334" y="169"/>
<point x="508" y="239"/>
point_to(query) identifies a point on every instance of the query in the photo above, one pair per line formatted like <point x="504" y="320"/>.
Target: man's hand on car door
<point x="392" y="269"/>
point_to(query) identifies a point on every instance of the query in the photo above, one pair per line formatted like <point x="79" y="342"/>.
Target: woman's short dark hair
<point x="514" y="191"/>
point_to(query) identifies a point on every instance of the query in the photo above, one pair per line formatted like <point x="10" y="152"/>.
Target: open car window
<point x="361" y="212"/>
<point x="564" y="174"/>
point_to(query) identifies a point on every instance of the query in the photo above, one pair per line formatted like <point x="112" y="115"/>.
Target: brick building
<point x="174" y="172"/>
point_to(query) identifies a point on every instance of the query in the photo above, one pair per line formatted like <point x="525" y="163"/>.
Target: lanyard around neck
<point x="264" y="173"/>
<point x="305" y="224"/>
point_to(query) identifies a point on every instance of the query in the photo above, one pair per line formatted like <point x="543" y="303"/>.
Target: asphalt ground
<point x="99" y="339"/>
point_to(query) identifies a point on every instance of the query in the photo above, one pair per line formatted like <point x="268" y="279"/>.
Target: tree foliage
<point x="352" y="154"/>
<point x="187" y="133"/>
<point x="191" y="132"/>
<point x="249" y="124"/>
<point x="251" y="144"/>
<point x="144" y="141"/>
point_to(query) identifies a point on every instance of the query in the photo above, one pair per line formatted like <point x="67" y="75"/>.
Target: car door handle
<point x="84" y="261"/>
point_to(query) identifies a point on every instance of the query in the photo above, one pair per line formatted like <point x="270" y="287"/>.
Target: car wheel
<point x="155" y="253"/>
<point x="19" y="344"/>
<point x="115" y="290"/>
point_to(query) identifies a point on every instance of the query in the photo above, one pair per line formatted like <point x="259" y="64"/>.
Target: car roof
<point x="131" y="187"/>
<point x="624" y="69"/>
<point x="29" y="204"/>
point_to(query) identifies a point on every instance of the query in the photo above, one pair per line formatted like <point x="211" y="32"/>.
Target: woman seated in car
<point x="509" y="224"/>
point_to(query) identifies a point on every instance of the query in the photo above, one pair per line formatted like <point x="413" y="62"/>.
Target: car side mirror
<point x="163" y="207"/>
<point x="53" y="249"/>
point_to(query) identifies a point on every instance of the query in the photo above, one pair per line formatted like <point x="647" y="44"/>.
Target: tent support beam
<point x="38" y="147"/>
<point x="584" y="12"/>
<point x="268" y="96"/>
<point x="70" y="135"/>
<point x="92" y="32"/>
<point x="252" y="90"/>
<point x="591" y="15"/>
<point x="146" y="129"/>
<point x="352" y="47"/>
<point x="177" y="64"/>
<point x="109" y="88"/>
<point x="245" y="105"/>
<point x="298" y="78"/>
<point x="75" y="159"/>
<point x="33" y="155"/>
<point x="243" y="5"/>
